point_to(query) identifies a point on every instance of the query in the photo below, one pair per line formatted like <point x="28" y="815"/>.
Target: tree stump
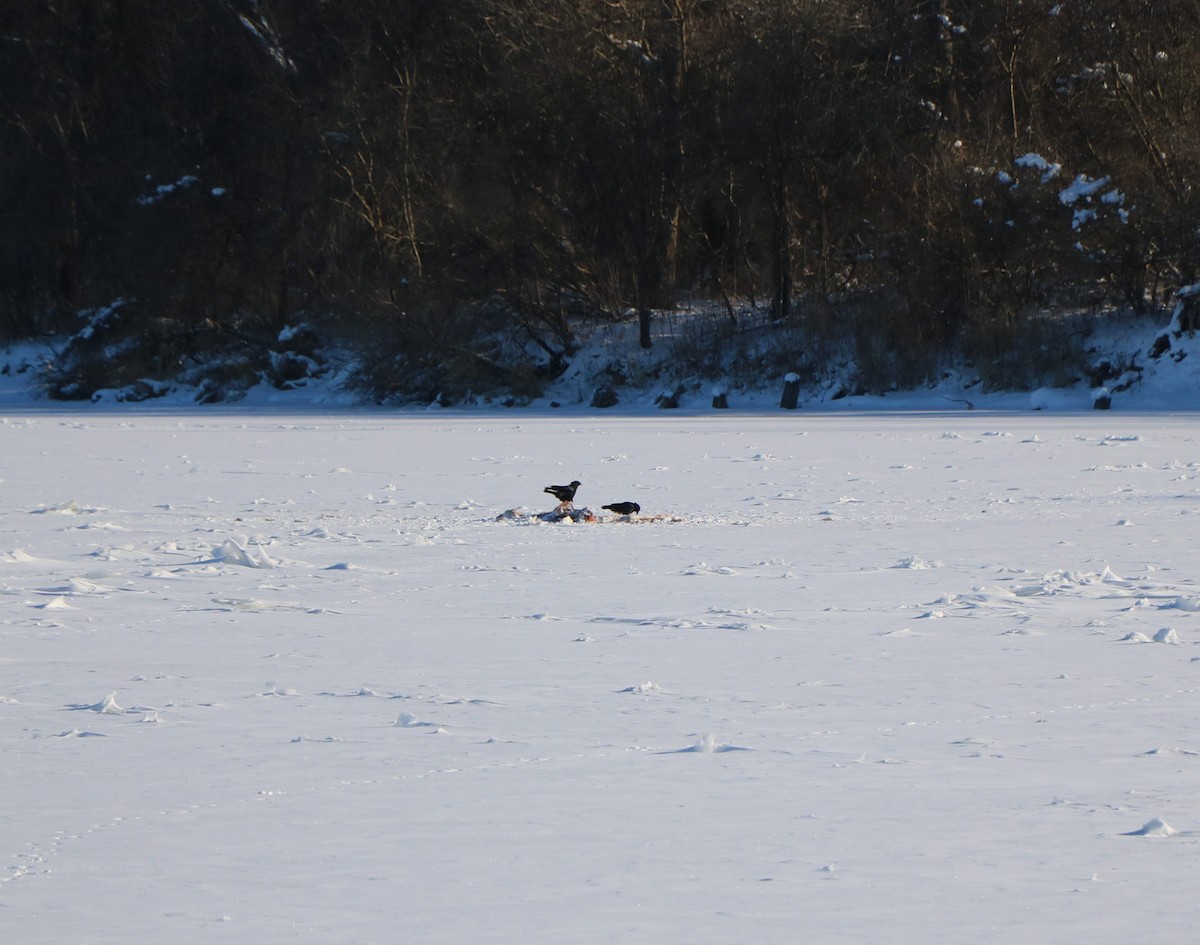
<point x="604" y="397"/>
<point x="791" y="392"/>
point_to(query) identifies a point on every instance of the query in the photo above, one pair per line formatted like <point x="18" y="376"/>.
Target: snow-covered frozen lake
<point x="882" y="678"/>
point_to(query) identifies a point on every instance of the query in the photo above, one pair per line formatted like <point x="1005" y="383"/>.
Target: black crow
<point x="563" y="493"/>
<point x="623" y="508"/>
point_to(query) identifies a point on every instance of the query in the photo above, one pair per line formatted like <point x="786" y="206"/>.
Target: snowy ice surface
<point x="925" y="678"/>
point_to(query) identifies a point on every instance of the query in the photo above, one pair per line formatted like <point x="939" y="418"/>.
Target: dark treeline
<point x="415" y="176"/>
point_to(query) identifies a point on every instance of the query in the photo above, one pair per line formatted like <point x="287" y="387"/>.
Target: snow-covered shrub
<point x="296" y="357"/>
<point x="124" y="353"/>
<point x="116" y="346"/>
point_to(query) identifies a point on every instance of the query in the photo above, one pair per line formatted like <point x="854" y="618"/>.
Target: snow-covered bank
<point x="890" y="679"/>
<point x="1124" y="365"/>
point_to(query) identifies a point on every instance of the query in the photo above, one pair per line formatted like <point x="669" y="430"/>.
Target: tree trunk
<point x="781" y="255"/>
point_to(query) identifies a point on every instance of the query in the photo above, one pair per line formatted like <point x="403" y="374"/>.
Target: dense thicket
<point x="419" y="177"/>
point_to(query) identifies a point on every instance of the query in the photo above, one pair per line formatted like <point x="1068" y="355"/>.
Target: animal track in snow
<point x="38" y="857"/>
<point x="37" y="860"/>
